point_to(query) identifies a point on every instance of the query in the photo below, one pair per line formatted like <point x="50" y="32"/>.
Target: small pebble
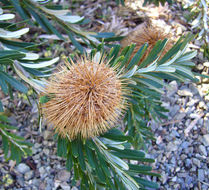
<point x="23" y="168"/>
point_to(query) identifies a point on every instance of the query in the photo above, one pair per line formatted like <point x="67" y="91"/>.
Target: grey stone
<point x="164" y="178"/>
<point x="196" y="162"/>
<point x="205" y="140"/>
<point x="174" y="110"/>
<point x="206" y="64"/>
<point x="180" y="116"/>
<point x="188" y="163"/>
<point x="200" y="67"/>
<point x="20" y="181"/>
<point x="47" y="134"/>
<point x="189" y="181"/>
<point x="185" y="145"/>
<point x="174" y="179"/>
<point x="41" y="170"/>
<point x="29" y="175"/>
<point x="13" y="121"/>
<point x="173" y="160"/>
<point x="192" y="102"/>
<point x="172" y="147"/>
<point x="193" y="89"/>
<point x="173" y="88"/>
<point x="185" y="92"/>
<point x="37" y="145"/>
<point x="201" y="175"/>
<point x="63" y="175"/>
<point x="203" y="150"/>
<point x="65" y="186"/>
<point x="74" y="188"/>
<point x="23" y="168"/>
<point x="182" y="175"/>
<point x="46" y="151"/>
<point x="194" y="115"/>
<point x="174" y="133"/>
<point x="202" y="105"/>
<point x="36" y="182"/>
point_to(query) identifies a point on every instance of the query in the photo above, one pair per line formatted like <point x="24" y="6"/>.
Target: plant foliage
<point x="17" y="55"/>
<point x="199" y="20"/>
<point x="102" y="161"/>
<point x="13" y="146"/>
<point x="109" y="161"/>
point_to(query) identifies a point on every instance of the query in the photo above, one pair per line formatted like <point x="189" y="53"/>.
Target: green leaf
<point x="74" y="146"/>
<point x="51" y="27"/>
<point x="116" y="135"/>
<point x="3" y="85"/>
<point x="73" y="19"/>
<point x="15" y="153"/>
<point x="139" y="168"/>
<point x="153" y="55"/>
<point x="6" y="61"/>
<point x="20" y="10"/>
<point x="11" y="54"/>
<point x="128" y="52"/>
<point x="7" y="126"/>
<point x="129" y="154"/>
<point x="90" y="157"/>
<point x="1" y="107"/>
<point x="69" y="162"/>
<point x="5" y="145"/>
<point x="150" y="83"/>
<point x="14" y="136"/>
<point x="41" y="64"/>
<point x="104" y="35"/>
<point x="113" y="39"/>
<point x="146" y="183"/>
<point x="170" y="53"/>
<point x="81" y="157"/>
<point x="74" y="42"/>
<point x="15" y="45"/>
<point x="135" y="60"/>
<point x="39" y="19"/>
<point x="16" y="84"/>
<point x="44" y="99"/>
<point x="4" y="118"/>
<point x="62" y="147"/>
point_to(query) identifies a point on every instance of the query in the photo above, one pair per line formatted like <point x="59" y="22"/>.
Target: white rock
<point x="196" y="162"/>
<point x="65" y="186"/>
<point x="29" y="175"/>
<point x="185" y="92"/>
<point x="206" y="64"/>
<point x="203" y="150"/>
<point x="63" y="175"/>
<point x="74" y="188"/>
<point x="47" y="134"/>
<point x="205" y="140"/>
<point x="23" y="168"/>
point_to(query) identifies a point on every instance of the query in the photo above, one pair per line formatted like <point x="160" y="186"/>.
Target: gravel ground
<point x="182" y="146"/>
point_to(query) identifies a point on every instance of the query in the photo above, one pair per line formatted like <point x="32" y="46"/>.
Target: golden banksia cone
<point x="86" y="99"/>
<point x="146" y="33"/>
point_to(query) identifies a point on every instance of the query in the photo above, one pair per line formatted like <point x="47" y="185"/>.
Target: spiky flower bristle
<point x="86" y="99"/>
<point x="147" y="33"/>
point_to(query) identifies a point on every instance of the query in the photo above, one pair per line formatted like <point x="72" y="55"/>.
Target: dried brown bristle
<point x="86" y="99"/>
<point x="146" y="33"/>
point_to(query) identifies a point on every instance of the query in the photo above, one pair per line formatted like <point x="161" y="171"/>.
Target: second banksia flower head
<point x="147" y="33"/>
<point x="86" y="99"/>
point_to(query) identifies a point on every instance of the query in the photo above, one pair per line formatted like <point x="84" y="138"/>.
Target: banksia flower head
<point x="85" y="99"/>
<point x="147" y="33"/>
